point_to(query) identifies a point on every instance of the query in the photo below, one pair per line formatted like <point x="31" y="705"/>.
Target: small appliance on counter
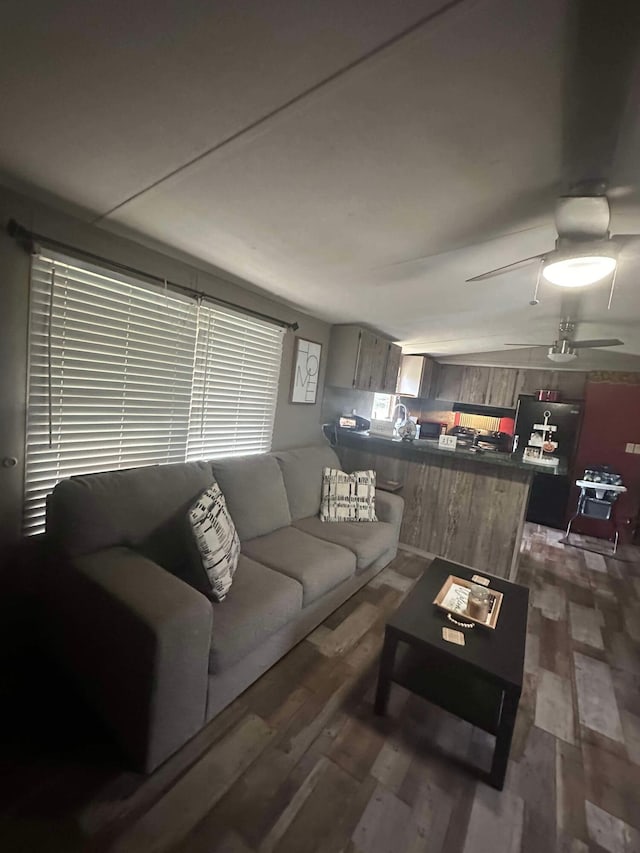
<point x="548" y="396"/>
<point x="431" y="430"/>
<point x="354" y="423"/>
<point x="381" y="428"/>
<point x="348" y="423"/>
<point x="600" y="488"/>
<point x="491" y="440"/>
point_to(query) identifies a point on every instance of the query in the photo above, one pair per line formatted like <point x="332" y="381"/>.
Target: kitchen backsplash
<point x="338" y="401"/>
<point x="437" y="411"/>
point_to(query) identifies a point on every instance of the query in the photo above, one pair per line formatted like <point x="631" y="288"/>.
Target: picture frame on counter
<point x="307" y="356"/>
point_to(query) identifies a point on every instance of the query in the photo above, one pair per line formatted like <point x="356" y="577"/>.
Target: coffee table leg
<point x="503" y="739"/>
<point x="384" y="675"/>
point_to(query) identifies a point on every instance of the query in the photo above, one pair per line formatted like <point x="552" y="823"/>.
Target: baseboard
<point x="417" y="551"/>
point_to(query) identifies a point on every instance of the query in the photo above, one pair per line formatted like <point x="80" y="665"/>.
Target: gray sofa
<point x="154" y="656"/>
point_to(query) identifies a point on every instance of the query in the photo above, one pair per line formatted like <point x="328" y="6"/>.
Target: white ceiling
<point x="285" y="143"/>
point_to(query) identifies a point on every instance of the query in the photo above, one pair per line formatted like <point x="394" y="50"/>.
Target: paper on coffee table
<point x="456" y="598"/>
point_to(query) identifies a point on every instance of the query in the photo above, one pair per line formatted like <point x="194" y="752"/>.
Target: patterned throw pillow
<point x="216" y="538"/>
<point x="348" y="497"/>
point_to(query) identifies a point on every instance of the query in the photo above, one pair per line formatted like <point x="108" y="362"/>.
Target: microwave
<point x="354" y="423"/>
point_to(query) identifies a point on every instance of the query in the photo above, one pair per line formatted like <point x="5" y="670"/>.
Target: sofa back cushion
<point x="255" y="494"/>
<point x="302" y="471"/>
<point x="136" y="507"/>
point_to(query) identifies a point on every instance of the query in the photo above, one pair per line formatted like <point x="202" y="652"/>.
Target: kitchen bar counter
<point x="418" y="448"/>
<point x="460" y="505"/>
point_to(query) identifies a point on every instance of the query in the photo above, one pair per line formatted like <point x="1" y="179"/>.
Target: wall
<point x="337" y="401"/>
<point x="294" y="424"/>
<point x="611" y="420"/>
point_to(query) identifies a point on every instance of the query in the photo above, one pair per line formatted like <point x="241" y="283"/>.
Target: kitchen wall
<point x="611" y="421"/>
<point x="438" y="411"/>
<point x="338" y="401"/>
<point x="295" y="425"/>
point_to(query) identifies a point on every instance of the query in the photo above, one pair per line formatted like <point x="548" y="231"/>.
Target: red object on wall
<point x="611" y="420"/>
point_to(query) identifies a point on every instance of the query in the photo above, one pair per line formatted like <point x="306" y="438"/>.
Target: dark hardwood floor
<point x="299" y="763"/>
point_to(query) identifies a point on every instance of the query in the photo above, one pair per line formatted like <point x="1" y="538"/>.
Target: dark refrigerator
<point x="549" y="491"/>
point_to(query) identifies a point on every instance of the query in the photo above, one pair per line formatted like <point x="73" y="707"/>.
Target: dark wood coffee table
<point x="480" y="682"/>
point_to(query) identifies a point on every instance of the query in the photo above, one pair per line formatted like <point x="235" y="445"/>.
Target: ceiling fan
<point x="585" y="251"/>
<point x="564" y="348"/>
<point x="602" y="53"/>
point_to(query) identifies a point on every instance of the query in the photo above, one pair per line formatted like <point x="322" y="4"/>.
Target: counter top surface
<point x="428" y="447"/>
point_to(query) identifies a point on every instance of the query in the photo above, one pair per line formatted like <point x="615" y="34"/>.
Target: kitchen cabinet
<point x="361" y="359"/>
<point x="417" y="376"/>
<point x="367" y="367"/>
<point x="429" y="378"/>
<point x="489" y="386"/>
<point x="474" y="385"/>
<point x="570" y="383"/>
<point x="392" y="369"/>
<point x="501" y="386"/>
<point x="504" y="385"/>
<point x="449" y="382"/>
<point x="410" y="376"/>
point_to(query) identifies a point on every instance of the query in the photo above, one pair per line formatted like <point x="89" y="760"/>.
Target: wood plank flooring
<point x="299" y="763"/>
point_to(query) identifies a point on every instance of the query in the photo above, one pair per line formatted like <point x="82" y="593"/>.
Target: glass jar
<point x="478" y="603"/>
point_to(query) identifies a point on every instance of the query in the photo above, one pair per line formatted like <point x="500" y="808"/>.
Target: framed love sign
<point x="306" y="371"/>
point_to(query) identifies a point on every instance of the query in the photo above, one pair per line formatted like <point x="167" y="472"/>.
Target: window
<point x="235" y="384"/>
<point x="123" y="374"/>
<point x="383" y="405"/>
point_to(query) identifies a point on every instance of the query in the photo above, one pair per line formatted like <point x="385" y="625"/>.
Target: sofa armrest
<point x="137" y="639"/>
<point x="389" y="508"/>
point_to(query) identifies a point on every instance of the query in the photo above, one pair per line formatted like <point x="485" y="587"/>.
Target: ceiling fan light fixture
<point x="579" y="271"/>
<point x="562" y="354"/>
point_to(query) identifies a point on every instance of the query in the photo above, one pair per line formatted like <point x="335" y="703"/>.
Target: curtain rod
<point x="29" y="241"/>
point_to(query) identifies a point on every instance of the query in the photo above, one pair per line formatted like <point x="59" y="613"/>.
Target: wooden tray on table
<point x="453" y="596"/>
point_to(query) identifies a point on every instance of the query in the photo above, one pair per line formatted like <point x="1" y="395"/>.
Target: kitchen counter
<point x="465" y="506"/>
<point x="419" y="447"/>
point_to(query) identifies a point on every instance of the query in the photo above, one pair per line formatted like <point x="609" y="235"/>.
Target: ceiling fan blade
<point x="603" y="39"/>
<point x="597" y="342"/>
<point x="526" y="345"/>
<point x="499" y="270"/>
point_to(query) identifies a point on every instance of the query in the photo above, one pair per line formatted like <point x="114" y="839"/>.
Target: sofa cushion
<point x="367" y="541"/>
<point x="255" y="494"/>
<point x="217" y="541"/>
<point x="259" y="603"/>
<point x="348" y="497"/>
<point x="318" y="565"/>
<point x="95" y="511"/>
<point x="302" y="471"/>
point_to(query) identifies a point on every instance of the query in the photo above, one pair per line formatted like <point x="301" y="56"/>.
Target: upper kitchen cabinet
<point x="448" y="385"/>
<point x="501" y="386"/>
<point x="570" y="383"/>
<point x="392" y="370"/>
<point x="417" y="376"/>
<point x="363" y="360"/>
<point x="484" y="386"/>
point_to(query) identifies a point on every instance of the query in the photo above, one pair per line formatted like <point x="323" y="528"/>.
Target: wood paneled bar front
<point x="465" y="507"/>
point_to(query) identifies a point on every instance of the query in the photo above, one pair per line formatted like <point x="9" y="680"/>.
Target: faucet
<point x="398" y="420"/>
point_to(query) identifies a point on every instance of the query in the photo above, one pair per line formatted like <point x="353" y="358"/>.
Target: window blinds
<point x="235" y="384"/>
<point x="122" y="374"/>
